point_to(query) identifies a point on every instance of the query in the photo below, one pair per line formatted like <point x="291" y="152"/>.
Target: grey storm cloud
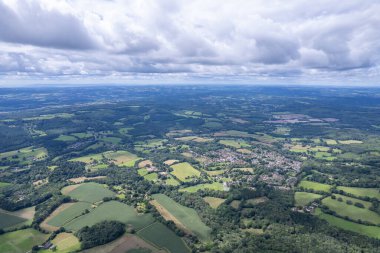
<point x="257" y="39"/>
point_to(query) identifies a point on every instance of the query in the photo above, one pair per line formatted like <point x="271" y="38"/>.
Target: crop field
<point x="184" y="171"/>
<point x="314" y="186"/>
<point x="163" y="238"/>
<point x="216" y="186"/>
<point x="65" y="243"/>
<point x="21" y="241"/>
<point x="351" y="211"/>
<point x="234" y="143"/>
<point x="68" y="214"/>
<point x="371" y="231"/>
<point x="194" y="138"/>
<point x="214" y="202"/>
<point x="111" y="210"/>
<point x="8" y="220"/>
<point x="361" y="192"/>
<point x="187" y="216"/>
<point x="89" y="192"/>
<point x="348" y="142"/>
<point x="304" y="198"/>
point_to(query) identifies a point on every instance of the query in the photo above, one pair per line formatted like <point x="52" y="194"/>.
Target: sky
<point x="325" y="42"/>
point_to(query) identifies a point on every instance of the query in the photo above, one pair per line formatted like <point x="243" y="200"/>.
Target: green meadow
<point x="315" y="186"/>
<point x="90" y="192"/>
<point x="184" y="171"/>
<point x="304" y="198"/>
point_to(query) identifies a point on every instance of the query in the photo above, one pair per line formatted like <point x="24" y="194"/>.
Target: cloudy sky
<point x="182" y="41"/>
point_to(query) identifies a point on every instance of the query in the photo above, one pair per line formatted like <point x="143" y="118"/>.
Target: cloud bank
<point x="178" y="41"/>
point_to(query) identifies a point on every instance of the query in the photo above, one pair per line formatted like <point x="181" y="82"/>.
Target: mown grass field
<point x="187" y="216"/>
<point x="184" y="171"/>
<point x="171" y="181"/>
<point x="164" y="238"/>
<point x="361" y="192"/>
<point x="65" y="242"/>
<point x="371" y="231"/>
<point x="69" y="214"/>
<point x="120" y="158"/>
<point x="111" y="210"/>
<point x="315" y="186"/>
<point x="21" y="241"/>
<point x="214" y="202"/>
<point x="352" y="211"/>
<point x="216" y="186"/>
<point x="304" y="198"/>
<point x="90" y="192"/>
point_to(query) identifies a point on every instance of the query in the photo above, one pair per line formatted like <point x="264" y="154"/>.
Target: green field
<point x="304" y="198"/>
<point x="371" y="231"/>
<point x="315" y="186"/>
<point x="90" y="192"/>
<point x="214" y="202"/>
<point x="21" y="241"/>
<point x="213" y="186"/>
<point x="69" y="213"/>
<point x="164" y="238"/>
<point x="66" y="138"/>
<point x="151" y="176"/>
<point x="8" y="220"/>
<point x="235" y="143"/>
<point x="187" y="216"/>
<point x="82" y="135"/>
<point x="184" y="171"/>
<point x="171" y="181"/>
<point x="4" y="184"/>
<point x="351" y="211"/>
<point x="361" y="192"/>
<point x="111" y="210"/>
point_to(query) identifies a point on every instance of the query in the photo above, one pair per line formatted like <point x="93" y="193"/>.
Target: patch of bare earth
<point x="124" y="244"/>
<point x="44" y="225"/>
<point x="145" y="163"/>
<point x="168" y="216"/>
<point x="170" y="162"/>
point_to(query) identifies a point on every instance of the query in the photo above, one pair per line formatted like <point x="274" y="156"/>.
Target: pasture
<point x="88" y="192"/>
<point x="216" y="186"/>
<point x="21" y="241"/>
<point x="314" y="186"/>
<point x="111" y="210"/>
<point x="120" y="158"/>
<point x="361" y="192"/>
<point x="351" y="211"/>
<point x="188" y="217"/>
<point x="163" y="238"/>
<point x="65" y="243"/>
<point x="184" y="171"/>
<point x="304" y="198"/>
<point x="370" y="231"/>
<point x="214" y="202"/>
<point x="17" y="218"/>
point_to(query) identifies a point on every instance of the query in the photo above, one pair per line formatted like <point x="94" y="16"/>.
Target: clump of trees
<point x="100" y="233"/>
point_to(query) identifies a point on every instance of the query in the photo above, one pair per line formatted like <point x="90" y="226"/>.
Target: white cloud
<point x="249" y="41"/>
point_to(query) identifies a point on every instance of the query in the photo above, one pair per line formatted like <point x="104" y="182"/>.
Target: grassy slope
<point x="21" y="241"/>
<point x="187" y="216"/>
<point x="303" y="198"/>
<point x="184" y="170"/>
<point x="90" y="192"/>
